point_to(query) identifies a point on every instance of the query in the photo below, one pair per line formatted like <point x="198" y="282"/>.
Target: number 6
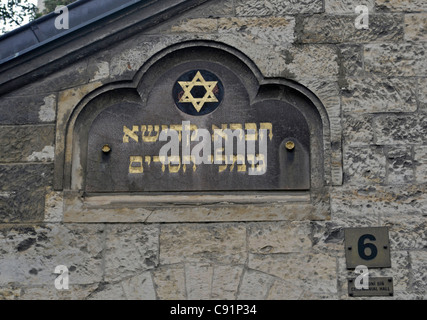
<point x="361" y="246"/>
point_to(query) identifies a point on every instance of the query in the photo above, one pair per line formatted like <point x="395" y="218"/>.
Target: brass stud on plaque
<point x="290" y="145"/>
<point x="106" y="148"/>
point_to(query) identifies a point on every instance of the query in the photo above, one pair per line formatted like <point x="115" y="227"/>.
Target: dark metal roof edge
<point x="52" y="16"/>
<point x="41" y="19"/>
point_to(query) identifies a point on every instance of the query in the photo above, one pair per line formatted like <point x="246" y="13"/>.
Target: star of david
<point x="198" y="81"/>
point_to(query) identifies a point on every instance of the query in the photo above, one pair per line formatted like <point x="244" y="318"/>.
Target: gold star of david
<point x="198" y="81"/>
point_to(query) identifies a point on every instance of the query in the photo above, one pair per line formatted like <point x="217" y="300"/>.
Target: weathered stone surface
<point x="312" y="271"/>
<point x="401" y="5"/>
<point x="27" y="143"/>
<point x="284" y="237"/>
<point x="284" y="290"/>
<point x="267" y="30"/>
<point x="277" y="7"/>
<point x="22" y="191"/>
<point x="347" y="6"/>
<point x="400" y="165"/>
<point x="130" y="249"/>
<point x="54" y="206"/>
<point x="224" y="243"/>
<point x="420" y="159"/>
<point x="307" y="62"/>
<point x="407" y="231"/>
<point x="107" y="291"/>
<point x="198" y="281"/>
<point x="328" y="92"/>
<point x="416" y="27"/>
<point x="419" y="277"/>
<point x="351" y="60"/>
<point x="401" y="129"/>
<point x="396" y="59"/>
<point x="364" y="165"/>
<point x="341" y="28"/>
<point x="139" y="287"/>
<point x="225" y="282"/>
<point x="422" y="94"/>
<point x="169" y="283"/>
<point x="32" y="109"/>
<point x="369" y="95"/>
<point x="30" y="254"/>
<point x="357" y="129"/>
<point x="255" y="285"/>
<point x="354" y="206"/>
<point x="73" y="75"/>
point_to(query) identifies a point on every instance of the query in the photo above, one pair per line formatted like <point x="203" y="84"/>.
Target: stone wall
<point x="373" y="85"/>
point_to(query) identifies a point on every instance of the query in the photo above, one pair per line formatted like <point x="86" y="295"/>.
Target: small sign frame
<point x="369" y="246"/>
<point x="378" y="286"/>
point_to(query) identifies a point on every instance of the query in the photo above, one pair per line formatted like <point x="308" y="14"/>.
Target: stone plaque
<point x="196" y="129"/>
<point x="377" y="286"/>
<point x="367" y="246"/>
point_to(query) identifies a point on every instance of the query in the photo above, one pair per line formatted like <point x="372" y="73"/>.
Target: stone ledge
<point x="193" y="208"/>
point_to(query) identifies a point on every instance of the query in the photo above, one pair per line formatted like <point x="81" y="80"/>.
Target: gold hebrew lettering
<point x="253" y="134"/>
<point x="177" y="127"/>
<point x="150" y="137"/>
<point x="133" y="167"/>
<point x="157" y="159"/>
<point x="267" y="126"/>
<point x="238" y="126"/>
<point x="219" y="133"/>
<point x="175" y="160"/>
<point x="130" y="134"/>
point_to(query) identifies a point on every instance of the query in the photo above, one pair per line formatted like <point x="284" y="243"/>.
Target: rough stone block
<point x="400" y="165"/>
<point x="225" y="282"/>
<point x="255" y="285"/>
<point x="277" y="31"/>
<point x="407" y="231"/>
<point x="30" y="254"/>
<point x="368" y="203"/>
<point x="401" y="129"/>
<point x="420" y="159"/>
<point x="341" y="28"/>
<point x="369" y="95"/>
<point x="422" y="94"/>
<point x="130" y="249"/>
<point x="223" y="243"/>
<point x="170" y="283"/>
<point x="196" y="25"/>
<point x="347" y="6"/>
<point x="284" y="290"/>
<point x="401" y="5"/>
<point x="351" y="60"/>
<point x="357" y="130"/>
<point x="32" y="109"/>
<point x="312" y="271"/>
<point x="364" y="165"/>
<point x="416" y="27"/>
<point x="139" y="287"/>
<point x="308" y="62"/>
<point x="22" y="191"/>
<point x="277" y="7"/>
<point x="396" y="59"/>
<point x="284" y="237"/>
<point x="419" y="277"/>
<point x="198" y="281"/>
<point x="27" y="143"/>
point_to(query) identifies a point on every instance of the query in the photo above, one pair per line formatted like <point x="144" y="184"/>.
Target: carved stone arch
<point x="307" y="164"/>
